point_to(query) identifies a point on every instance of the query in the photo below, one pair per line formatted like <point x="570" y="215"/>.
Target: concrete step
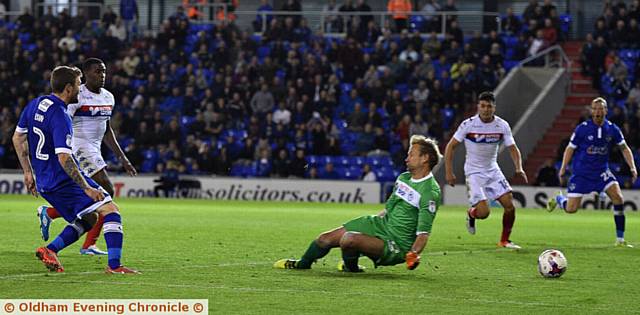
<point x="577" y="75"/>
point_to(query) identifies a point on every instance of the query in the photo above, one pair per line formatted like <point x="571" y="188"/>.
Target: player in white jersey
<point x="482" y="135"/>
<point x="91" y="116"/>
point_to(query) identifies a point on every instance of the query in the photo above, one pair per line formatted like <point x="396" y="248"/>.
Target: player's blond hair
<point x="599" y="100"/>
<point x="427" y="146"/>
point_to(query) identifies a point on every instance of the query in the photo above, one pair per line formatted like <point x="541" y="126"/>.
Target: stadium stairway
<point x="579" y="97"/>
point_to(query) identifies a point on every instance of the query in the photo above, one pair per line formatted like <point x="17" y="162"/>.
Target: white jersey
<point x="90" y="116"/>
<point x="482" y="141"/>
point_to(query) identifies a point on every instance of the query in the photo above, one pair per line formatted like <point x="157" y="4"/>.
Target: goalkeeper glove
<point x="412" y="259"/>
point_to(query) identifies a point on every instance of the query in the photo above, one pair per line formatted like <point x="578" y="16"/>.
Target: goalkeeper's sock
<point x="351" y="261"/>
<point x="562" y="202"/>
<point x="313" y="252"/>
<point x="619" y="218"/>
<point x="508" y="218"/>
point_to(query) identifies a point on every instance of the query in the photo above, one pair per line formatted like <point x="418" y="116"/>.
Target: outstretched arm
<point x="21" y="144"/>
<point x="516" y="156"/>
<point x="628" y="157"/>
<point x="448" y="161"/>
<point x="112" y="143"/>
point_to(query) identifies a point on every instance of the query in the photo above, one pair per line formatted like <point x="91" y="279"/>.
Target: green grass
<point x="223" y="251"/>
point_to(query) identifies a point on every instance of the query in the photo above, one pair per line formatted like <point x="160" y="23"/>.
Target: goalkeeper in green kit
<point x="400" y="232"/>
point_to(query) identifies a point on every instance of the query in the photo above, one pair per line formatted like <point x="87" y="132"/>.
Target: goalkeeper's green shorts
<point x="373" y="225"/>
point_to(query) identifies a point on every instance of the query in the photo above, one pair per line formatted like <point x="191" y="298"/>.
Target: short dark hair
<point x="63" y="75"/>
<point x="487" y="96"/>
<point x="89" y="63"/>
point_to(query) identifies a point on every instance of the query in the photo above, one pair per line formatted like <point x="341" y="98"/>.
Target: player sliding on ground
<point x="482" y="135"/>
<point x="591" y="143"/>
<point x="91" y="116"/>
<point x="42" y="141"/>
<point x="400" y="232"/>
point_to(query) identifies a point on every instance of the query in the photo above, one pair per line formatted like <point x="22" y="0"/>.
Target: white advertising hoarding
<point x="234" y="189"/>
<point x="536" y="197"/>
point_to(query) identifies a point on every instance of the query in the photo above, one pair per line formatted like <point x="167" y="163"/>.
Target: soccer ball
<point x="551" y="263"/>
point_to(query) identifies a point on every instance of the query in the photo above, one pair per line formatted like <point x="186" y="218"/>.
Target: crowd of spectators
<point x="214" y="99"/>
<point x="609" y="56"/>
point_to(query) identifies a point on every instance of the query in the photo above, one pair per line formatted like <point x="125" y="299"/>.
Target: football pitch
<point x="224" y="251"/>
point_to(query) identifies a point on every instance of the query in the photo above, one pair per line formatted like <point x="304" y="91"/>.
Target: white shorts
<point x="483" y="186"/>
<point x="90" y="160"/>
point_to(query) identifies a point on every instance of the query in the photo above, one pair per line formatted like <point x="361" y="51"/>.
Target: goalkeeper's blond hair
<point x="427" y="146"/>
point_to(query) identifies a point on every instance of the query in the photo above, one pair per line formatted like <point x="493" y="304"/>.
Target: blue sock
<point x="618" y="217"/>
<point x="68" y="236"/>
<point x="562" y="202"/>
<point x="112" y="229"/>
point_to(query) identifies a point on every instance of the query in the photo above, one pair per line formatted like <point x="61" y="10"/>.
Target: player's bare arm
<point x="566" y="158"/>
<point x="21" y="145"/>
<point x="516" y="156"/>
<point x="628" y="157"/>
<point x="112" y="143"/>
<point x="70" y="167"/>
<point x="448" y="161"/>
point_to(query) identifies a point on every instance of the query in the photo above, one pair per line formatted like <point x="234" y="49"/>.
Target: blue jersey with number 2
<point x="49" y="132"/>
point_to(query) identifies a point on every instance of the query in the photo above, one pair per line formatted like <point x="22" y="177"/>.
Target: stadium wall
<point x="536" y="197"/>
<point x="529" y="103"/>
<point x="238" y="189"/>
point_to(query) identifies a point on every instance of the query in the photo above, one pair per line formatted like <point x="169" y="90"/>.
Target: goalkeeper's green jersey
<point x="411" y="208"/>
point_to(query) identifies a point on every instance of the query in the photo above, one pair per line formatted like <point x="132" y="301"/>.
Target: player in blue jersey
<point x="589" y="147"/>
<point x="42" y="141"/>
<point x="91" y="117"/>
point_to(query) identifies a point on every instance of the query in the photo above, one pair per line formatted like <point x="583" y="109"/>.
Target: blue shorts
<point x="580" y="185"/>
<point x="71" y="201"/>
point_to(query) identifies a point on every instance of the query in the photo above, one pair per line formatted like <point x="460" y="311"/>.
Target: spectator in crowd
<point x="548" y="175"/>
<point x="262" y="101"/>
<point x="367" y="174"/>
<point x="511" y="23"/>
<point x="130" y="16"/>
<point x="400" y="10"/>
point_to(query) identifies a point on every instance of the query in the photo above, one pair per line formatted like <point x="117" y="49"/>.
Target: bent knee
<point x="348" y="240"/>
<point x="108" y="208"/>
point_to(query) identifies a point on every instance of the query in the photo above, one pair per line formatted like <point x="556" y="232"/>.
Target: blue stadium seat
<point x="312" y="160"/>
<point x="403" y="89"/>
<point x="416" y="22"/>
<point x="263" y="51"/>
<point x="510" y="64"/>
<point x="346" y="88"/>
<point x="565" y="23"/>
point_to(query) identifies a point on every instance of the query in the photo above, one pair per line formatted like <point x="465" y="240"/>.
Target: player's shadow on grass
<point x="369" y="274"/>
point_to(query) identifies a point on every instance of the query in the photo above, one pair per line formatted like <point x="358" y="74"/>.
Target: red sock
<point x="93" y="234"/>
<point x="472" y="212"/>
<point x="52" y="213"/>
<point x="508" y="218"/>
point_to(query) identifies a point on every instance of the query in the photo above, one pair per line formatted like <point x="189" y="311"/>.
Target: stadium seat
<point x="263" y="51"/>
<point x="510" y="64"/>
<point x="346" y="88"/>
